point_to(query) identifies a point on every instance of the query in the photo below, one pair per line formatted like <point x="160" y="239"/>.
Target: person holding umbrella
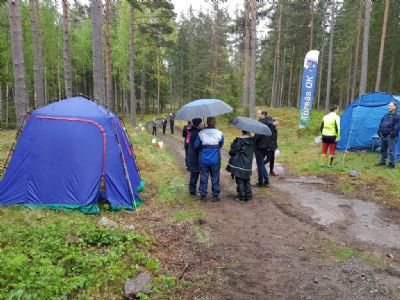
<point x="240" y="164"/>
<point x="262" y="145"/>
<point x="241" y="152"/>
<point x="210" y="140"/>
<point x="193" y="156"/>
<point x="209" y="144"/>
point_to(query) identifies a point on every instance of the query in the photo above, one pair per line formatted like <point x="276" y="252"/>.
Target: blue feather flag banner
<point x="308" y="87"/>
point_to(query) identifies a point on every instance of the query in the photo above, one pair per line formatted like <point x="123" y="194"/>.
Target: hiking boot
<point x="273" y="174"/>
<point x="390" y="166"/>
<point x="192" y="193"/>
<point x="258" y="184"/>
<point x="203" y="199"/>
<point x="215" y="199"/>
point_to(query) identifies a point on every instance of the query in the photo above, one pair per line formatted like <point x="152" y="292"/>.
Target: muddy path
<point x="297" y="240"/>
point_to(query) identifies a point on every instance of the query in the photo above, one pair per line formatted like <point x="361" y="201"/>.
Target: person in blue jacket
<point x="193" y="157"/>
<point x="209" y="141"/>
<point x="389" y="132"/>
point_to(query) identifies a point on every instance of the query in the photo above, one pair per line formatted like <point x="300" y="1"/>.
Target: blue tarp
<point x="360" y="121"/>
<point x="66" y="150"/>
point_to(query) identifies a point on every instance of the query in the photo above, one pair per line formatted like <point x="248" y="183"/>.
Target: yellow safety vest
<point x="331" y="126"/>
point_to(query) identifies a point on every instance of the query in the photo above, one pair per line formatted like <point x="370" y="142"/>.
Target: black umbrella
<point x="248" y="124"/>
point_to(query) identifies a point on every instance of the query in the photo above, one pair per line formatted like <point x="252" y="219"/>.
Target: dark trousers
<point x="262" y="171"/>
<point x="214" y="172"/>
<point x="171" y="126"/>
<point x="164" y="128"/>
<point x="388" y="147"/>
<point x="270" y="159"/>
<point x="154" y="131"/>
<point x="243" y="188"/>
<point x="186" y="155"/>
<point x="194" y="177"/>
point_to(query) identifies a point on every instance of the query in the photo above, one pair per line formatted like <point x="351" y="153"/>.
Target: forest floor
<point x="302" y="238"/>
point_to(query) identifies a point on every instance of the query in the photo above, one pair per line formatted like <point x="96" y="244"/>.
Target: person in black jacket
<point x="389" y="132"/>
<point x="154" y="127"/>
<point x="193" y="157"/>
<point x="171" y="122"/>
<point x="240" y="164"/>
<point x="272" y="145"/>
<point x="261" y="147"/>
<point x="164" y="125"/>
<point x="186" y="139"/>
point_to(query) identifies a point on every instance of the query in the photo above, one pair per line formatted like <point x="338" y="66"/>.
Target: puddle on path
<point x="328" y="208"/>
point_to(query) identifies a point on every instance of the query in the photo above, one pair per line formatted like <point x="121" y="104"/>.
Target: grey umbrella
<point x="203" y="108"/>
<point x="252" y="125"/>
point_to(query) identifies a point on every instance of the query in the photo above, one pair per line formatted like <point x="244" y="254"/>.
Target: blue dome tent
<point x="65" y="153"/>
<point x="360" y="121"/>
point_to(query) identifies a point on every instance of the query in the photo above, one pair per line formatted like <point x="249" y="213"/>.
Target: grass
<point x="342" y="253"/>
<point x="48" y="254"/>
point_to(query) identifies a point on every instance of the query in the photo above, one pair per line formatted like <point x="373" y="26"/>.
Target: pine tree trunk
<point x="158" y="85"/>
<point x="321" y="66"/>
<point x="311" y="23"/>
<point x="109" y="85"/>
<point x="291" y="80"/>
<point x="37" y="54"/>
<point x="246" y="66"/>
<point x="1" y="103"/>
<point x="20" y="93"/>
<point x="330" y="58"/>
<point x="253" y="45"/>
<point x="298" y="89"/>
<point x="97" y="52"/>
<point x="276" y="89"/>
<point x="7" y="104"/>
<point x="391" y="74"/>
<point x="142" y="94"/>
<point x="381" y="49"/>
<point x="357" y="53"/>
<point x="283" y="78"/>
<point x="67" y="57"/>
<point x="115" y="104"/>
<point x="132" y="65"/>
<point x="364" y="57"/>
<point x="349" y="77"/>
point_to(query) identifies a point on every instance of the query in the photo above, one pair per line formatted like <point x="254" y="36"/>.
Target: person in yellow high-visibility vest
<point x="330" y="129"/>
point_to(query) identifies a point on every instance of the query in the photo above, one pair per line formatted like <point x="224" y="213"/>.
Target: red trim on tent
<point x="85" y="121"/>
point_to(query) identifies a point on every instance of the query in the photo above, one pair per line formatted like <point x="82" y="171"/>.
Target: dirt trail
<point x="282" y="244"/>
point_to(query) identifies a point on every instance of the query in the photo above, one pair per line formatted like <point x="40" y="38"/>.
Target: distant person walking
<point x="193" y="156"/>
<point x="389" y="132"/>
<point x="240" y="164"/>
<point x="186" y="139"/>
<point x="272" y="145"/>
<point x="209" y="141"/>
<point x="262" y="144"/>
<point x="330" y="129"/>
<point x="164" y="125"/>
<point x="171" y="122"/>
<point x="154" y="126"/>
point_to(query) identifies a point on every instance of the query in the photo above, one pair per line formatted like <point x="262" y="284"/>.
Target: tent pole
<point x="19" y="131"/>
<point x="125" y="168"/>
